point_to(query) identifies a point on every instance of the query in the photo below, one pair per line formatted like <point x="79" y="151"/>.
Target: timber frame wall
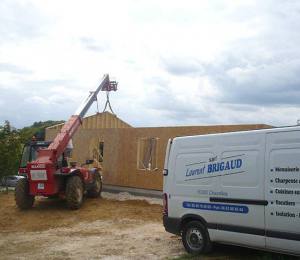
<point x="122" y="149"/>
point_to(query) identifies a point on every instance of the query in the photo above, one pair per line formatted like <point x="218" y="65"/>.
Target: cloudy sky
<point x="177" y="62"/>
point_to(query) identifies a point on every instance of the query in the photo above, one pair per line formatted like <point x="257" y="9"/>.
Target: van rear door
<point x="282" y="187"/>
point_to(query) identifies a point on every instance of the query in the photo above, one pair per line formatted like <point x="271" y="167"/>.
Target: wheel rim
<point x="194" y="239"/>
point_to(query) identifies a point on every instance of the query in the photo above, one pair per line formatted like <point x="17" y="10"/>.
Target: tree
<point x="37" y="129"/>
<point x="10" y="149"/>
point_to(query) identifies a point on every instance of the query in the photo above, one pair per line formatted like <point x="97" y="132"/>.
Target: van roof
<point x="264" y="130"/>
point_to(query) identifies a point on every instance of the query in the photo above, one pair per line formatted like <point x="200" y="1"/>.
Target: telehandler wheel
<point x="23" y="199"/>
<point x="96" y="188"/>
<point x="74" y="192"/>
<point x="195" y="238"/>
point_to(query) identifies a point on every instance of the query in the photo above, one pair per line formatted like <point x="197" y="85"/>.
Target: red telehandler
<point x="45" y="168"/>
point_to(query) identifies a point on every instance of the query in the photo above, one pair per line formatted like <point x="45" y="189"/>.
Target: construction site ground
<point x="116" y="226"/>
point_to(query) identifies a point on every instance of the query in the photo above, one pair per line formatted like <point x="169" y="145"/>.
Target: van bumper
<point x="172" y="225"/>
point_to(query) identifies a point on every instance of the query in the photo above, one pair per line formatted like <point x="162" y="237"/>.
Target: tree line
<point x="12" y="141"/>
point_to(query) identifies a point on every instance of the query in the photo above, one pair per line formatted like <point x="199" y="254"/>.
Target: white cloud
<point x="36" y="100"/>
<point x="201" y="62"/>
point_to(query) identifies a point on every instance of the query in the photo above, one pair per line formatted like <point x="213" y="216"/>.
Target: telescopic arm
<point x="57" y="147"/>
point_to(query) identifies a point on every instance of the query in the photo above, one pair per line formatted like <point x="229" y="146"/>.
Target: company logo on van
<point x="213" y="168"/>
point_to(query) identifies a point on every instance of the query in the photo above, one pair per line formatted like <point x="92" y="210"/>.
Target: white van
<point x="239" y="188"/>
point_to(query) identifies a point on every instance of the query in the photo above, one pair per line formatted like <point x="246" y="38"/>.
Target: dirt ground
<point x="113" y="227"/>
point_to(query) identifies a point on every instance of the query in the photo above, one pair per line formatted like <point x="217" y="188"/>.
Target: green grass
<point x="224" y="252"/>
<point x="263" y="256"/>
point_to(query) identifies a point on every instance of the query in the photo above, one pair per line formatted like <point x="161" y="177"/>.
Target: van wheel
<point x="195" y="238"/>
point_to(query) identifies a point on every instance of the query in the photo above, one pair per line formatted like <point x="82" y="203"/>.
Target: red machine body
<point x="47" y="175"/>
<point x="44" y="173"/>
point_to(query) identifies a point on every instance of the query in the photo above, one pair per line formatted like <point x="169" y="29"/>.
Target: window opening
<point x="101" y="151"/>
<point x="147" y="153"/>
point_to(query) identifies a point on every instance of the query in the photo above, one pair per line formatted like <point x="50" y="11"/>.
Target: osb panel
<point x="85" y="140"/>
<point x="120" y="150"/>
<point x="100" y="120"/>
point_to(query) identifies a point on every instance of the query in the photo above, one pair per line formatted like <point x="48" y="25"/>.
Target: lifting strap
<point x="107" y="103"/>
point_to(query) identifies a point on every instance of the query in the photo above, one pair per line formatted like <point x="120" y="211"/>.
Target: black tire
<point x="95" y="190"/>
<point x="74" y="192"/>
<point x="195" y="238"/>
<point x="22" y="197"/>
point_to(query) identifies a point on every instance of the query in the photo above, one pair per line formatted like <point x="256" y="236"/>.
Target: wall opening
<point x="147" y="153"/>
<point x="101" y="151"/>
